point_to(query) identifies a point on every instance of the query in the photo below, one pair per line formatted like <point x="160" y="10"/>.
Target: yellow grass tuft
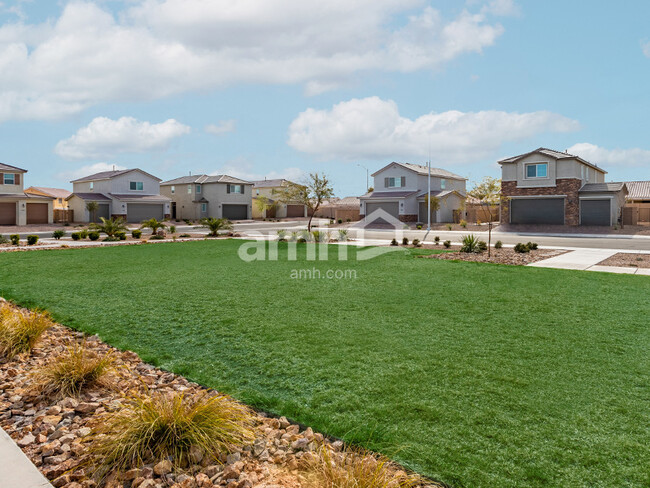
<point x="76" y="369"/>
<point x="167" y="426"/>
<point x="355" y="468"/>
<point x="19" y="332"/>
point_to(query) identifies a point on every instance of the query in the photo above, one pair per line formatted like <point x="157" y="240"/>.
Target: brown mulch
<point x="499" y="256"/>
<point x="636" y="260"/>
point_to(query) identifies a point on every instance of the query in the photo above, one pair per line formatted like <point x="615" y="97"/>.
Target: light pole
<point x="367" y="180"/>
<point x="429" y="197"/>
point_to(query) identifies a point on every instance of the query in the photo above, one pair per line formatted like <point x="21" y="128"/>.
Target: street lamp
<point x="367" y="180"/>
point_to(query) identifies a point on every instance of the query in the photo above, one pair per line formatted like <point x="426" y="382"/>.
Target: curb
<point x="16" y="470"/>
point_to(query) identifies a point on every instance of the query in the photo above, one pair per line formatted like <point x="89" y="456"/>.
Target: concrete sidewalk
<point x="16" y="470"/>
<point x="587" y="260"/>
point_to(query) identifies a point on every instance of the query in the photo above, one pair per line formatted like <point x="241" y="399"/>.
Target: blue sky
<point x="282" y="88"/>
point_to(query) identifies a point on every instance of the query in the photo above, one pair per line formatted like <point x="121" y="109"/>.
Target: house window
<point x="235" y="188"/>
<point x="257" y="192"/>
<point x="189" y="188"/>
<point x="537" y="170"/>
<point x="198" y="188"/>
<point x="60" y="200"/>
<point x="10" y="179"/>
<point x="395" y="182"/>
<point x="91" y="187"/>
<point x="173" y="189"/>
<point x="204" y="207"/>
<point x="443" y="184"/>
<point x="136" y="185"/>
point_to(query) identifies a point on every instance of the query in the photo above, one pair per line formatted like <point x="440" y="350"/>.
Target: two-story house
<point x="203" y="196"/>
<point x="131" y="194"/>
<point x="18" y="207"/>
<point x="268" y="190"/>
<point x="400" y="189"/>
<point x="556" y="188"/>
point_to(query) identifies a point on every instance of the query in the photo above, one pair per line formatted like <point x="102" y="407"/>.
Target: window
<point x="257" y="192"/>
<point x="60" y="200"/>
<point x="537" y="170"/>
<point x="443" y="184"/>
<point x="10" y="179"/>
<point x="136" y="185"/>
<point x="204" y="207"/>
<point x="395" y="182"/>
<point x="173" y="189"/>
<point x="91" y="187"/>
<point x="189" y="188"/>
<point x="235" y="189"/>
<point x="198" y="188"/>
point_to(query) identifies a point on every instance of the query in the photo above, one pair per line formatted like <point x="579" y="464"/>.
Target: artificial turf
<point x="472" y="374"/>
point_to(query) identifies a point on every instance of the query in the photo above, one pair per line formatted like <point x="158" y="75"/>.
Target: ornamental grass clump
<point x="77" y="369"/>
<point x="353" y="469"/>
<point x="150" y="429"/>
<point x="19" y="332"/>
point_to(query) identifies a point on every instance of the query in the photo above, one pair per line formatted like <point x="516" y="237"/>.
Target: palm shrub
<point x="282" y="235"/>
<point x="153" y="224"/>
<point x="58" y="234"/>
<point x="19" y="332"/>
<point x="343" y="235"/>
<point x="470" y="243"/>
<point x="110" y="227"/>
<point x="77" y="369"/>
<point x="215" y="225"/>
<point x="164" y="426"/>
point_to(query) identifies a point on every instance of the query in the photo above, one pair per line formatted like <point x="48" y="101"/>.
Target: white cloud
<point x="87" y="170"/>
<point x="614" y="157"/>
<point x="222" y="127"/>
<point x="158" y="48"/>
<point x="105" y="137"/>
<point x="645" y="47"/>
<point x="244" y="169"/>
<point x="373" y="128"/>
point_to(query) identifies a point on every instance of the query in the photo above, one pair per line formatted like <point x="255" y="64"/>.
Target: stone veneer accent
<point x="569" y="187"/>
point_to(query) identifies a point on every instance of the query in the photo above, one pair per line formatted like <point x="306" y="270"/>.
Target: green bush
<point x="521" y="247"/>
<point x="83" y="233"/>
<point x="405" y="241"/>
<point x="15" y="239"/>
<point x="187" y="221"/>
<point x="156" y="237"/>
<point x="449" y="226"/>
<point x="58" y="234"/>
<point x="172" y="229"/>
<point x="482" y="246"/>
<point x="93" y="236"/>
<point x="31" y="240"/>
<point x="282" y="235"/>
<point x="463" y="224"/>
<point x="447" y="244"/>
<point x="437" y="240"/>
<point x="75" y="236"/>
<point x="121" y="236"/>
<point x="340" y="221"/>
<point x="532" y="246"/>
<point x="393" y="242"/>
<point x="470" y="243"/>
<point x="3" y="239"/>
<point x="348" y="220"/>
<point x="498" y="245"/>
<point x="184" y="235"/>
<point x="343" y="235"/>
<point x="417" y="243"/>
<point x="136" y="233"/>
<point x="418" y="226"/>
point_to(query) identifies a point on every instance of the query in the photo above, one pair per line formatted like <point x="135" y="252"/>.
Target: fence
<point x="63" y="216"/>
<point x="474" y="213"/>
<point x="636" y="214"/>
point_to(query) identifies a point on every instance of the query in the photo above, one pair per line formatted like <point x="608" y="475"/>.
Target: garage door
<point x="392" y="208"/>
<point x="423" y="213"/>
<point x="37" y="213"/>
<point x="137" y="212"/>
<point x="8" y="213"/>
<point x="235" y="212"/>
<point x="546" y="211"/>
<point x="295" y="210"/>
<point x="102" y="211"/>
<point x="595" y="212"/>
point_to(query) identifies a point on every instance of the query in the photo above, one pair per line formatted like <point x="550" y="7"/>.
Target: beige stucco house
<point x="18" y="207"/>
<point x="58" y="195"/>
<point x="202" y="196"/>
<point x="269" y="190"/>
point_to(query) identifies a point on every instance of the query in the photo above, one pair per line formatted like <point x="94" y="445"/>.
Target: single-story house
<point x="637" y="206"/>
<point x="266" y="193"/>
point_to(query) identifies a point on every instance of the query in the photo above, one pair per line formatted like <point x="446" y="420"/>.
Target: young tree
<point x="92" y="207"/>
<point x="311" y="193"/>
<point x="153" y="224"/>
<point x="435" y="203"/>
<point x="263" y="204"/>
<point x="488" y="194"/>
<point x="215" y="225"/>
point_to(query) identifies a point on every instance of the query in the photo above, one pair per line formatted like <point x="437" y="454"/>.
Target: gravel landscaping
<point x="499" y="256"/>
<point x="636" y="260"/>
<point x="56" y="434"/>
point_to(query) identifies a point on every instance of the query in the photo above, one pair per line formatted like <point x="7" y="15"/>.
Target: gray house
<point x="200" y="196"/>
<point x="556" y="188"/>
<point x="131" y="194"/>
<point x="18" y="207"/>
<point x="400" y="189"/>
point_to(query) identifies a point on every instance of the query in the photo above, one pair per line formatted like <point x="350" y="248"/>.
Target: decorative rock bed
<point x="500" y="256"/>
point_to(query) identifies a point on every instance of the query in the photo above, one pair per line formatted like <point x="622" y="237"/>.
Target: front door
<point x="173" y="210"/>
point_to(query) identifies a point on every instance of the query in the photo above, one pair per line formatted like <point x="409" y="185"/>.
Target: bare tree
<point x="488" y="195"/>
<point x="311" y="193"/>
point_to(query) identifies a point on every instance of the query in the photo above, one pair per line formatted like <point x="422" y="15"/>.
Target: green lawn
<point x="476" y="375"/>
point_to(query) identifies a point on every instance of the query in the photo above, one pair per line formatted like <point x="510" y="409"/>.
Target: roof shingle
<point x="638" y="190"/>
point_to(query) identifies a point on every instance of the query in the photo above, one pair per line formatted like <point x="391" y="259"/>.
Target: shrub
<point x="463" y="224"/>
<point x="3" y="239"/>
<point x="83" y="233"/>
<point x="340" y="221"/>
<point x="331" y="221"/>
<point x="437" y="240"/>
<point x="478" y="222"/>
<point x="75" y="236"/>
<point x="405" y="241"/>
<point x="498" y="245"/>
<point x="417" y="243"/>
<point x="32" y="239"/>
<point x="521" y="247"/>
<point x="19" y="332"/>
<point x="418" y="226"/>
<point x="532" y="246"/>
<point x="352" y="469"/>
<point x="447" y="244"/>
<point x="482" y="246"/>
<point x="470" y="243"/>
<point x="168" y="426"/>
<point x="121" y="236"/>
<point x="93" y="236"/>
<point x="321" y="236"/>
<point x="136" y="233"/>
<point x="348" y="220"/>
<point x="172" y="229"/>
<point x="343" y="235"/>
<point x="58" y="234"/>
<point x="393" y="242"/>
<point x="15" y="239"/>
<point x="449" y="226"/>
<point x="184" y="235"/>
<point x="282" y="235"/>
<point x="78" y="368"/>
<point x="156" y="237"/>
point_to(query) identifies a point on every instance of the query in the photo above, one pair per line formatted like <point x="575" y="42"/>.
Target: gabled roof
<point x="90" y="197"/>
<point x="441" y="193"/>
<point x="389" y="194"/>
<point x="638" y="190"/>
<point x="53" y="192"/>
<point x="107" y="175"/>
<point x="423" y="170"/>
<point x="8" y="167"/>
<point x="140" y="198"/>
<point x="204" y="179"/>
<point x="553" y="154"/>
<point x="603" y="187"/>
<point x="272" y="183"/>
